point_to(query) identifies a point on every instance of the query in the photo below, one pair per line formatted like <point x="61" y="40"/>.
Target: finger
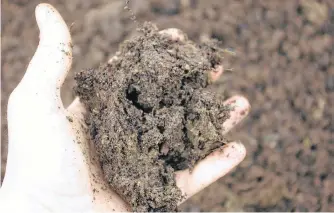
<point x="76" y="108"/>
<point x="48" y="68"/>
<point x="38" y="129"/>
<point x="240" y="109"/>
<point x="114" y="58"/>
<point x="174" y="34"/>
<point x="210" y="169"/>
<point x="215" y="75"/>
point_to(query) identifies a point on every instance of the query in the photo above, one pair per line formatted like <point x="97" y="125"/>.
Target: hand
<point x="51" y="164"/>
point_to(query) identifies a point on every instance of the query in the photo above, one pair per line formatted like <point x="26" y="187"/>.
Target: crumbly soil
<point x="284" y="66"/>
<point x="151" y="112"/>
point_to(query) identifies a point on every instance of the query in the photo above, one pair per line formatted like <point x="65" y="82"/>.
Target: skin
<point x="50" y="165"/>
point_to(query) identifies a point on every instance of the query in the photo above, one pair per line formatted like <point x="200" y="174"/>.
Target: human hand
<point x="51" y="164"/>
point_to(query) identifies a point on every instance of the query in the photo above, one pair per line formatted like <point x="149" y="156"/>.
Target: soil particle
<point x="69" y="118"/>
<point x="152" y="112"/>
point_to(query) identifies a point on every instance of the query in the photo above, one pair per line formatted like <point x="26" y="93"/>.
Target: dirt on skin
<point x="152" y="112"/>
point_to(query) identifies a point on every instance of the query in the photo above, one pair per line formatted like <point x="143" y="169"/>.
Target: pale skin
<point x="51" y="165"/>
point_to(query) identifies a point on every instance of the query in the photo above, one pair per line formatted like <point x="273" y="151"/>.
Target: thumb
<point x="49" y="66"/>
<point x="37" y="127"/>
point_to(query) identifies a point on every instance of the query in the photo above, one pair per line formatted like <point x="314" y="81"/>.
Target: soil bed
<point x="152" y="112"/>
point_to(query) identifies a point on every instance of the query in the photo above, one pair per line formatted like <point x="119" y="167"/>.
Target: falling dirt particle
<point x="132" y="14"/>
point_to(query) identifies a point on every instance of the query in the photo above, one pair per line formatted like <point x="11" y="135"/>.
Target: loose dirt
<point x="152" y="112"/>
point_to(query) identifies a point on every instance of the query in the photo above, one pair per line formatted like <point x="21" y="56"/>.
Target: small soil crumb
<point x="69" y="118"/>
<point x="152" y="112"/>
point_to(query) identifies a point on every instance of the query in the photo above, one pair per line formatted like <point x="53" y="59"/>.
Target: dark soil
<point x="284" y="66"/>
<point x="151" y="112"/>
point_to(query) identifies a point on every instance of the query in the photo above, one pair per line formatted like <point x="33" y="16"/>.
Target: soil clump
<point x="152" y="112"/>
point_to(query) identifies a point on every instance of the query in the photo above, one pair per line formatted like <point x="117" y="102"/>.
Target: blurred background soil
<point x="284" y="66"/>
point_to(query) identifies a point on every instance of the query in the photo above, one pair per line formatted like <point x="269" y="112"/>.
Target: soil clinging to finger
<point x="152" y="112"/>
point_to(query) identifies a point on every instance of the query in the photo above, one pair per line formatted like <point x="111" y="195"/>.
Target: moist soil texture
<point x="284" y="66"/>
<point x="151" y="112"/>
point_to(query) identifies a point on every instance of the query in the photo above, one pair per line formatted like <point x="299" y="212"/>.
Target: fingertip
<point x="174" y="34"/>
<point x="216" y="73"/>
<point x="239" y="101"/>
<point x="51" y="24"/>
<point x="243" y="102"/>
<point x="240" y="108"/>
<point x="113" y="59"/>
<point x="214" y="166"/>
<point x="41" y="12"/>
<point x="236" y="150"/>
<point x="225" y="158"/>
<point x="53" y="58"/>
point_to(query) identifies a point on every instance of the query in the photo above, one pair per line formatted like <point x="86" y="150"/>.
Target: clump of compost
<point x="151" y="112"/>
